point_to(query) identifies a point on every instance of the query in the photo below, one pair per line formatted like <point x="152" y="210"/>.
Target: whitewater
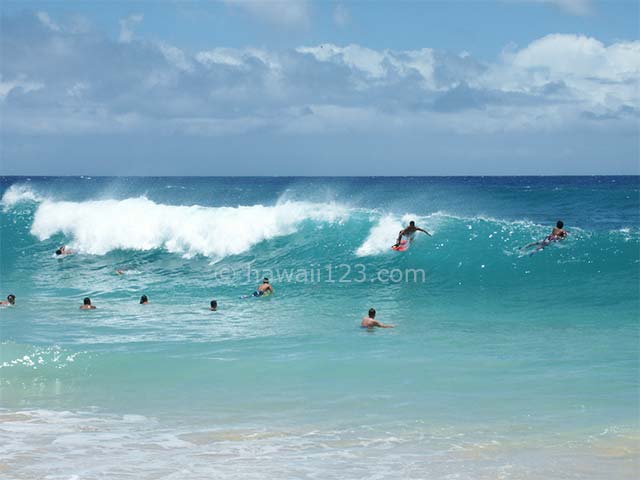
<point x="501" y="365"/>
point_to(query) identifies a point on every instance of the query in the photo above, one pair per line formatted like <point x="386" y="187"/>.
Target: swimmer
<point x="409" y="232"/>
<point x="144" y="300"/>
<point x="558" y="233"/>
<point x="214" y="305"/>
<point x="11" y="300"/>
<point x="263" y="289"/>
<point x="86" y="304"/>
<point x="370" y="321"/>
<point x="63" y="250"/>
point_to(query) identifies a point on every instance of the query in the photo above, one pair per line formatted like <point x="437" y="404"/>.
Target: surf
<point x="486" y="321"/>
<point x="99" y="227"/>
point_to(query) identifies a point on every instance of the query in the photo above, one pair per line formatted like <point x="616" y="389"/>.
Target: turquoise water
<point x="501" y="365"/>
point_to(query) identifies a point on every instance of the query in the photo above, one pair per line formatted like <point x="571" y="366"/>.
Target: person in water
<point x="409" y="232"/>
<point x="370" y="321"/>
<point x="264" y="288"/>
<point x="86" y="304"/>
<point x="214" y="305"/>
<point x="63" y="250"/>
<point x="144" y="300"/>
<point x="11" y="300"/>
<point x="558" y="233"/>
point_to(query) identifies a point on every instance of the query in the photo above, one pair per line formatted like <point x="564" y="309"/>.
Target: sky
<point x="304" y="87"/>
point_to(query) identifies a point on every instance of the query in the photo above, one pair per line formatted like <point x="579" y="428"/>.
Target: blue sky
<point x="320" y="88"/>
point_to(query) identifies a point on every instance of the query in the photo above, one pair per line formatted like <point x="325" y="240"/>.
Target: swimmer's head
<point x="372" y="313"/>
<point x="214" y="304"/>
<point x="560" y="224"/>
<point x="412" y="223"/>
<point x="144" y="299"/>
<point x="59" y="251"/>
<point x="11" y="299"/>
<point x="87" y="301"/>
<point x="265" y="280"/>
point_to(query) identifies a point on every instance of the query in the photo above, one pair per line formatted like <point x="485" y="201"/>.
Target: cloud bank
<point x="59" y="79"/>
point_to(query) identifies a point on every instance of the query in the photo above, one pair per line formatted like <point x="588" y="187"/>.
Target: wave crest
<point x="98" y="227"/>
<point x="385" y="232"/>
<point x="18" y="193"/>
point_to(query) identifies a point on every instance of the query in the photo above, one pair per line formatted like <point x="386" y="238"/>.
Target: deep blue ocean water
<point x="502" y="364"/>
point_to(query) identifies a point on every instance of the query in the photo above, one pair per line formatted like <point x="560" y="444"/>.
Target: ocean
<point x="501" y="365"/>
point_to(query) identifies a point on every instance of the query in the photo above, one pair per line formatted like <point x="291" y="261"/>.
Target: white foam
<point x="98" y="227"/>
<point x="381" y="236"/>
<point x="384" y="234"/>
<point x="53" y="357"/>
<point x="18" y="193"/>
<point x="95" y="445"/>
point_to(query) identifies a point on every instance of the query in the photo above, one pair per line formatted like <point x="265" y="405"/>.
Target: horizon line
<point x="327" y="176"/>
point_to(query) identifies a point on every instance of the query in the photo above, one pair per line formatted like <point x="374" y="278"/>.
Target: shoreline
<point x="122" y="445"/>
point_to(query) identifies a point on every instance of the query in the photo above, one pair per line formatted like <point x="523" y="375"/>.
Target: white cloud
<point x="236" y="57"/>
<point x="596" y="75"/>
<point x="126" y="27"/>
<point x="46" y="20"/>
<point x="422" y="61"/>
<point x="364" y="59"/>
<point x="378" y="65"/>
<point x="290" y="13"/>
<point x="77" y="90"/>
<point x="98" y="86"/>
<point x="176" y="57"/>
<point x="7" y="86"/>
<point x="581" y="55"/>
<point x="221" y="56"/>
